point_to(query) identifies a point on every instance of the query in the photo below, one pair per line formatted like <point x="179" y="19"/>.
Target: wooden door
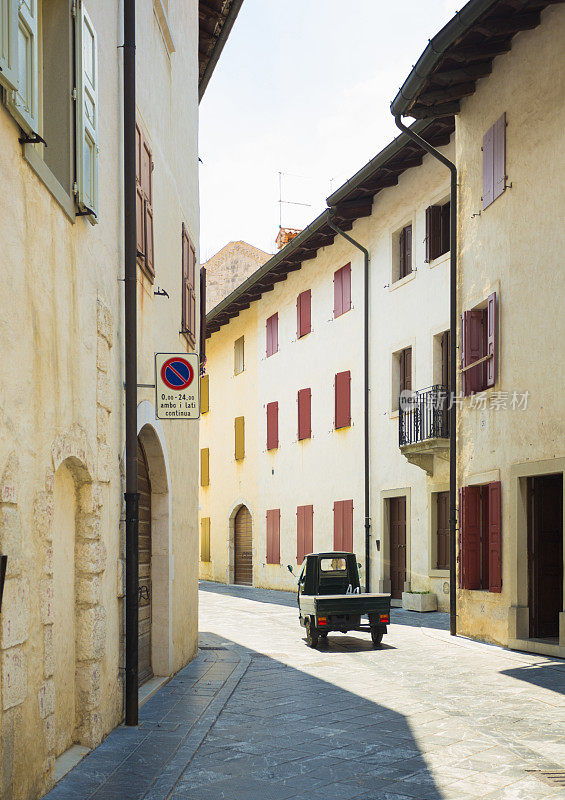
<point x="442" y="534"/>
<point x="243" y="542"/>
<point x="144" y="611"/>
<point x="545" y="557"/>
<point x="397" y="510"/>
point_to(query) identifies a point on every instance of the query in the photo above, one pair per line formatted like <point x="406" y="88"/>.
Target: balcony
<point x="423" y="427"/>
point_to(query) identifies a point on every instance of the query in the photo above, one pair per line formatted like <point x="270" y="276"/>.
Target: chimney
<point x="286" y="235"/>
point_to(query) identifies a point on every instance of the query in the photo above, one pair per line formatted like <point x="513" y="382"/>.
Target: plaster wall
<point x="515" y="248"/>
<point x="61" y="426"/>
<point x="329" y="466"/>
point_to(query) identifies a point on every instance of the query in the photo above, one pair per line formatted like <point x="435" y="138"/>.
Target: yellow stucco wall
<point x="329" y="466"/>
<point x="61" y="426"/>
<point x="515" y="248"/>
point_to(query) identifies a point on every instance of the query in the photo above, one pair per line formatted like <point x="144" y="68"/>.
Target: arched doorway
<point x="243" y="544"/>
<point x="145" y="669"/>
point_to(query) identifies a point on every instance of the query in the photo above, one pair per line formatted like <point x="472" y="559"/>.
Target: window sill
<point x="443" y="259"/>
<point x="241" y="371"/>
<point x="402" y="281"/>
<point x="50" y="182"/>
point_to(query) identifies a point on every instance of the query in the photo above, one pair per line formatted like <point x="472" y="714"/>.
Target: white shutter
<point x="87" y="115"/>
<point x="8" y="43"/>
<point x="23" y="102"/>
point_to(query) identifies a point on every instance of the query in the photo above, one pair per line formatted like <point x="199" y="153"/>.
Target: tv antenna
<point x="289" y="202"/>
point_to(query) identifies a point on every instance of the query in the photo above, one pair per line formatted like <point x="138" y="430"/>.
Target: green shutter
<point x="9" y="43"/>
<point x="23" y="101"/>
<point x="87" y="115"/>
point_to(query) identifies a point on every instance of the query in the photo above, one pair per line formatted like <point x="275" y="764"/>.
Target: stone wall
<point x="228" y="268"/>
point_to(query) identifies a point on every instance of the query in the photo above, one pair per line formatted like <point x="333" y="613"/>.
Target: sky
<point x="298" y="102"/>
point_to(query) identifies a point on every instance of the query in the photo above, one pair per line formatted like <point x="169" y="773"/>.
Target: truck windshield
<point x="333" y="565"/>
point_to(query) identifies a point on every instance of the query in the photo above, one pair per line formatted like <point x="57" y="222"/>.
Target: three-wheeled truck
<point x="330" y="599"/>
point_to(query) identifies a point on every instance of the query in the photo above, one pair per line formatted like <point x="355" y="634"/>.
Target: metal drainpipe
<point x="452" y="369"/>
<point x="130" y="258"/>
<point x="365" y="252"/>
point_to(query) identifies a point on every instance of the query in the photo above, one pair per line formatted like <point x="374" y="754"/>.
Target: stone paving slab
<point x="260" y="716"/>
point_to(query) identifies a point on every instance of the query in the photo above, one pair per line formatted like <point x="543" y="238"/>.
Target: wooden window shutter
<point x="300" y="534"/>
<point x="308" y="529"/>
<point x="488" y="168"/>
<point x="239" y="428"/>
<point x="204" y="394"/>
<point x="408" y="250"/>
<point x="433" y="232"/>
<point x="402" y="254"/>
<point x="495" y="536"/>
<point x="87" y="114"/>
<point x="205" y="539"/>
<point x="24" y="101"/>
<point x="338" y="294"/>
<point x="273" y="536"/>
<point x="499" y="156"/>
<point x="304" y="414"/>
<point x="303" y="306"/>
<point x="471" y="537"/>
<point x="472" y="345"/>
<point x="139" y="206"/>
<point x="346" y="288"/>
<point x="304" y="532"/>
<point x="338" y="525"/>
<point x="147" y="189"/>
<point x="202" y="315"/>
<point x="272" y="334"/>
<point x="205" y="467"/>
<point x="445" y="228"/>
<point x="408" y="369"/>
<point x="9" y="43"/>
<point x="272" y="426"/>
<point x="491" y="325"/>
<point x="445" y="359"/>
<point x="343" y="399"/>
<point x="192" y="293"/>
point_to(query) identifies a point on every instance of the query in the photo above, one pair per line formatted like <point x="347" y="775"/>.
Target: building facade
<point x="282" y="432"/>
<point x="229" y="267"/>
<point x="62" y="421"/>
<point x="511" y="432"/>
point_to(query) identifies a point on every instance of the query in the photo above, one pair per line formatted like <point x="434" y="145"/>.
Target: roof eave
<point x="218" y="47"/>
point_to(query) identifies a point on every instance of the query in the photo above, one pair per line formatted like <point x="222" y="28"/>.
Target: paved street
<point x="260" y="716"/>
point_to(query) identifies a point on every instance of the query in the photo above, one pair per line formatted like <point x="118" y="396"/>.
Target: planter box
<point x="419" y="602"/>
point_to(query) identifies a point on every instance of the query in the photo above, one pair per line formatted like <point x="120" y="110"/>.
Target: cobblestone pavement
<point x="260" y="716"/>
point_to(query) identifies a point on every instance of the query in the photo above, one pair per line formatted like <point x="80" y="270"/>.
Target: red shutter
<point x="346" y="288"/>
<point x="343" y="399"/>
<point x="471" y="537"/>
<point x="488" y="168"/>
<point x="300" y="534"/>
<point x="472" y="347"/>
<point x="347" y="530"/>
<point x="139" y="222"/>
<point x="308" y="529"/>
<point x="338" y="293"/>
<point x="491" y="364"/>
<point x="272" y="426"/>
<point x="304" y="532"/>
<point x="304" y="413"/>
<point x="149" y="260"/>
<point x="303" y="303"/>
<point x="499" y="156"/>
<point x="495" y="536"/>
<point x="338" y="525"/>
<point x="273" y="536"/>
<point x="275" y="319"/>
<point x="269" y="338"/>
<point x="272" y="334"/>
<point x="433" y="232"/>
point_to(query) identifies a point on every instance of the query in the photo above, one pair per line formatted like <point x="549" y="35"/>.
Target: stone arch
<point x="152" y="437"/>
<point x="230" y="577"/>
<point x="72" y="458"/>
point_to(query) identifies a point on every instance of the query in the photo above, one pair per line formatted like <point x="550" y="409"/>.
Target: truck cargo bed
<point x="328" y="604"/>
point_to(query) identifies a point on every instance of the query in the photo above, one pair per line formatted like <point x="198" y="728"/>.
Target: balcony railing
<point x="423" y="415"/>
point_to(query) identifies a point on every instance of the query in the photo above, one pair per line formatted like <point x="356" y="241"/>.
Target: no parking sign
<point x="177" y="386"/>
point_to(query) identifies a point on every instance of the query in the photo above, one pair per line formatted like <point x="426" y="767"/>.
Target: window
<point x="272" y="426"/>
<point x="238" y="356"/>
<point x="303" y="313"/>
<point x="304" y="532"/>
<point x="205" y="539"/>
<point x="437" y="231"/>
<point x="343" y="525"/>
<point x="402" y="253"/>
<point x="239" y="426"/>
<point x="188" y="321"/>
<point x="441" y="550"/>
<point x="342" y="290"/>
<point x="342" y="390"/>
<point x="273" y="536"/>
<point x="494" y="161"/>
<point x="304" y="414"/>
<point x="205" y="467"/>
<point x="144" y="207"/>
<point x="479" y="333"/>
<point x="39" y="71"/>
<point x="272" y="335"/>
<point x="204" y="394"/>
<point x="480" y="537"/>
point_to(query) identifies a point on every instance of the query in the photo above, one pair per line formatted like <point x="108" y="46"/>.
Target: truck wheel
<point x="377" y="637"/>
<point x="311" y="635"/>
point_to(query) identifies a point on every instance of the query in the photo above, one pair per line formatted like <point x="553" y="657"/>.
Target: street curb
<point x="165" y="784"/>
